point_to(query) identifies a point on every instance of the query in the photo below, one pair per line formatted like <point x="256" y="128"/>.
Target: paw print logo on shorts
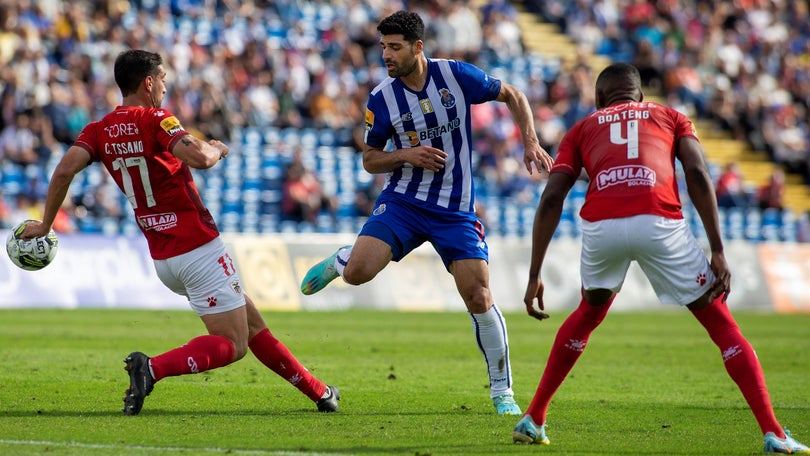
<point x="701" y="279"/>
<point x="212" y="301"/>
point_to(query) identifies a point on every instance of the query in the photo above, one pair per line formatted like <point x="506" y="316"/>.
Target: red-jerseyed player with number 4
<point x="148" y="153"/>
<point x="632" y="212"/>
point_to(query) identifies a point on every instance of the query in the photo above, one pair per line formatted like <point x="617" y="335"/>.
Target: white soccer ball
<point x="34" y="254"/>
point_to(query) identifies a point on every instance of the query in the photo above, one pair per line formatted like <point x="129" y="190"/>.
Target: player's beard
<point x="396" y="72"/>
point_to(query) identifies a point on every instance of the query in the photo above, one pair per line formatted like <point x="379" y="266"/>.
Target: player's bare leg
<point x="472" y="281"/>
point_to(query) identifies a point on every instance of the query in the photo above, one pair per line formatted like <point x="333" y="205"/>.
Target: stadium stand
<point x="289" y="78"/>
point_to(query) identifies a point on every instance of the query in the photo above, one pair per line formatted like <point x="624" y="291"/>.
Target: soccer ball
<point x="34" y="254"/>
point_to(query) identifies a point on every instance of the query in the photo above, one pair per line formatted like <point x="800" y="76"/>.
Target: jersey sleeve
<point x="87" y="140"/>
<point x="169" y="130"/>
<point x="477" y="84"/>
<point x="378" y="124"/>
<point x="568" y="160"/>
<point x="683" y="126"/>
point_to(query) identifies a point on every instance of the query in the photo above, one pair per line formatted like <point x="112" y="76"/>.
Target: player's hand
<point x="535" y="155"/>
<point x="427" y="157"/>
<point x="722" y="281"/>
<point x="534" y="290"/>
<point x="223" y="148"/>
<point x="34" y="230"/>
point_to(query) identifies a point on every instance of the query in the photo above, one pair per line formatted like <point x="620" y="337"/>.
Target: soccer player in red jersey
<point x="632" y="212"/>
<point x="149" y="155"/>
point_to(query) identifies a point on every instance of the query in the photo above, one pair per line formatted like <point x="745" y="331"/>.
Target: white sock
<point x="490" y="333"/>
<point x="342" y="258"/>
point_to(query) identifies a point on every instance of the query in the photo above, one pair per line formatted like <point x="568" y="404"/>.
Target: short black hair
<point x="133" y="66"/>
<point x="405" y="23"/>
<point x="619" y="71"/>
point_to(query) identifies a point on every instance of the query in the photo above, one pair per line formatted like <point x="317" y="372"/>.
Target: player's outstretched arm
<point x="74" y="160"/>
<point x="199" y="154"/>
<point x="521" y="112"/>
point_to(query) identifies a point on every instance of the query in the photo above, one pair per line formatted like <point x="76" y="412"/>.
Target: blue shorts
<point x="405" y="226"/>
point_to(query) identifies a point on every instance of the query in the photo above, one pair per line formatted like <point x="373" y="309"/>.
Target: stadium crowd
<point x="289" y="64"/>
<point x="744" y="64"/>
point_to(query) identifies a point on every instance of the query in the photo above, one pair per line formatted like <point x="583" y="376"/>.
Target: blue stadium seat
<point x="326" y="137"/>
<point x="770" y="225"/>
<point x="788" y="226"/>
<point x="735" y="223"/>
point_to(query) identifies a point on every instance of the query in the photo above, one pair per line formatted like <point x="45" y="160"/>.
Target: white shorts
<point x="665" y="249"/>
<point x="206" y="276"/>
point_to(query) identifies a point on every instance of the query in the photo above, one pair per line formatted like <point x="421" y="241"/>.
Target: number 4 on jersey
<point x="631" y="140"/>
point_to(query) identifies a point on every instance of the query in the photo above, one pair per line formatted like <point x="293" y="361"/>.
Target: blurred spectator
<point x="729" y="188"/>
<point x="788" y="137"/>
<point x="365" y="196"/>
<point x="803" y="227"/>
<point x="684" y="81"/>
<point x="98" y="201"/>
<point x="771" y="194"/>
<point x="18" y="143"/>
<point x="303" y="198"/>
<point x="6" y="217"/>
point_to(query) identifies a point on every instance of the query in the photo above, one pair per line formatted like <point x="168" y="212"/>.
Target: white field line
<point x="160" y="449"/>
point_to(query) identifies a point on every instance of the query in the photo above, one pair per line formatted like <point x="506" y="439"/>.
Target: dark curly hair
<point x="132" y="67"/>
<point x="404" y="23"/>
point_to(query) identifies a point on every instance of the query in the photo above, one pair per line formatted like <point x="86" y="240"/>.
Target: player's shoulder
<point x="455" y="66"/>
<point x="378" y="89"/>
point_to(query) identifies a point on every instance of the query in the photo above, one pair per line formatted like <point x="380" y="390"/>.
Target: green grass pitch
<point x="412" y="384"/>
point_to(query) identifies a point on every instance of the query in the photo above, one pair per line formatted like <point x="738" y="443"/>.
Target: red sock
<point x="197" y="355"/>
<point x="568" y="346"/>
<point x="741" y="362"/>
<point x="275" y="355"/>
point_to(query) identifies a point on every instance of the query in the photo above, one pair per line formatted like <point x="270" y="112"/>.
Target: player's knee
<point x="478" y="300"/>
<point x="239" y="350"/>
<point x="355" y="274"/>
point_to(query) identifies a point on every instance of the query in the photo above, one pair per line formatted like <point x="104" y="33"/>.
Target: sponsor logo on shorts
<point x="158" y="222"/>
<point x="212" y="301"/>
<point x="237" y="288"/>
<point x="701" y="279"/>
<point x="631" y="176"/>
<point x="379" y="209"/>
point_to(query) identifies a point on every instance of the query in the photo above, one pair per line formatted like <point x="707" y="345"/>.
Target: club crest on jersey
<point x="379" y="209"/>
<point x="426" y="105"/>
<point x="631" y="176"/>
<point x="171" y="125"/>
<point x="448" y="100"/>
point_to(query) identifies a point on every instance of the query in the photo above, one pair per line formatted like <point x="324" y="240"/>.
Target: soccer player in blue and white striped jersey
<point x="423" y="111"/>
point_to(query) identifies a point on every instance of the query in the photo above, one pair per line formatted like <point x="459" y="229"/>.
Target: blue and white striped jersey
<point x="438" y="116"/>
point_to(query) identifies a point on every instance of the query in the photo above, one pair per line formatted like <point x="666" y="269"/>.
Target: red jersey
<point x="134" y="145"/>
<point x="628" y="151"/>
